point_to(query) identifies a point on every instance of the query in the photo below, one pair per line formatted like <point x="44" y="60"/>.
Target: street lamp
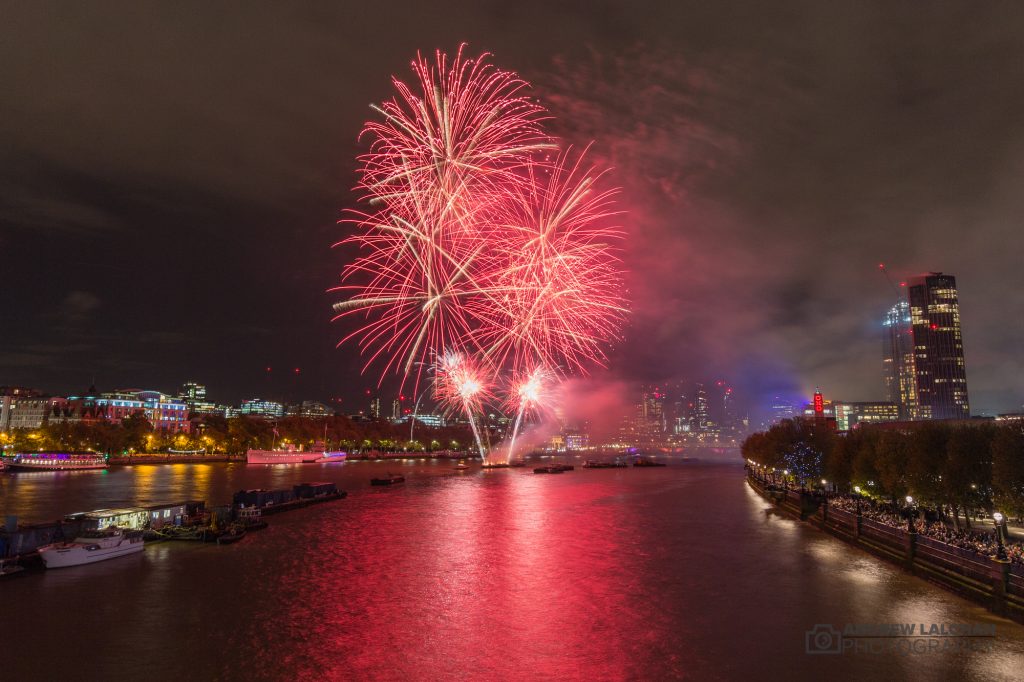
<point x="910" y="514"/>
<point x="1000" y="550"/>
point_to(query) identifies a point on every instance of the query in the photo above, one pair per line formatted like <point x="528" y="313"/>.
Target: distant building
<point x="193" y="392"/>
<point x="576" y="440"/>
<point x="781" y="409"/>
<point x="257" y="407"/>
<point x="701" y="411"/>
<point x="375" y="407"/>
<point x="314" y="410"/>
<point x="434" y="420"/>
<point x="25" y="411"/>
<point x="849" y="415"/>
<point x="164" y="412"/>
<point x="194" y="396"/>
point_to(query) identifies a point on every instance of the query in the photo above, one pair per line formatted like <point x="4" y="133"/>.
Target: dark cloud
<point x="185" y="164"/>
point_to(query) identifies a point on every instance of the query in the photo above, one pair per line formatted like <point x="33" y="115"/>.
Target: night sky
<point x="171" y="175"/>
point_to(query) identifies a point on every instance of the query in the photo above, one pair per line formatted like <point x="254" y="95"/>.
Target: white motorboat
<point x="92" y="546"/>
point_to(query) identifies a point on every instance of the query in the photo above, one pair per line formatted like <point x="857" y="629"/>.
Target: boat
<point x="550" y="469"/>
<point x="644" y="462"/>
<point x="231" y="536"/>
<point x="390" y="479"/>
<point x="289" y="454"/>
<point x="92" y="546"/>
<point x="10" y="567"/>
<point x="461" y="467"/>
<point x="53" y="461"/>
<point x="596" y="464"/>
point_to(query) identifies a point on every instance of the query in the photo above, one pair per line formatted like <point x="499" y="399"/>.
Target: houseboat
<point x="51" y="461"/>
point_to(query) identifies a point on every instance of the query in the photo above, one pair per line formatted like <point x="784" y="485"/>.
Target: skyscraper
<point x="924" y="352"/>
<point x="941" y="377"/>
<point x="701" y="411"/>
<point x="898" y="361"/>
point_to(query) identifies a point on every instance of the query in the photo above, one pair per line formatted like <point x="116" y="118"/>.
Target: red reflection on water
<point x="489" y="575"/>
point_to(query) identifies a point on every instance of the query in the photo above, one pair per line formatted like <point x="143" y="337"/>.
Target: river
<point x="643" y="574"/>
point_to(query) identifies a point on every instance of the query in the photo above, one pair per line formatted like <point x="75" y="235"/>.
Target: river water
<point x="640" y="574"/>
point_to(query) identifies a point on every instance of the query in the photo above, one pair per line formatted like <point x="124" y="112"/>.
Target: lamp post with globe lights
<point x="1000" y="550"/>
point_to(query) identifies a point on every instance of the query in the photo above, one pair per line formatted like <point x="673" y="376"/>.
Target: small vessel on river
<point x="390" y="479"/>
<point x="597" y="464"/>
<point x="92" y="546"/>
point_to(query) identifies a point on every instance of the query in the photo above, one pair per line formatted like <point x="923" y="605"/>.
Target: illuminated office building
<point x="941" y="377"/>
<point x="898" y="361"/>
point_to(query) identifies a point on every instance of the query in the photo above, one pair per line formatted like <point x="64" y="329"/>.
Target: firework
<point x="483" y="250"/>
<point x="555" y="297"/>
<point x="440" y="164"/>
<point x="530" y="392"/>
<point x="459" y="384"/>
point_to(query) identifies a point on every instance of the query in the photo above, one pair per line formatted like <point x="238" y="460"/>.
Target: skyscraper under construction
<point x="924" y="353"/>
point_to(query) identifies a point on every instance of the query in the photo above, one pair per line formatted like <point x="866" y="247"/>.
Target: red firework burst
<point x="477" y="243"/>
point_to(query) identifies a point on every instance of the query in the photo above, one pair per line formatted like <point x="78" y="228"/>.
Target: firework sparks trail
<point x="530" y="393"/>
<point x="459" y="384"/>
<point x="479" y="242"/>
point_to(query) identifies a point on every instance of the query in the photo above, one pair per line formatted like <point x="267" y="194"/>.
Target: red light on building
<point x="269" y="368"/>
<point x="819" y="404"/>
<point x="934" y="326"/>
<point x="298" y="371"/>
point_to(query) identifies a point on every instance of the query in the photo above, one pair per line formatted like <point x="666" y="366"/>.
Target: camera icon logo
<point x="823" y="639"/>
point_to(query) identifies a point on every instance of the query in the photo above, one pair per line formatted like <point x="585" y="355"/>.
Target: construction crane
<point x="892" y="285"/>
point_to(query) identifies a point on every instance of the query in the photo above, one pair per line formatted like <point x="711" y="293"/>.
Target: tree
<point x="1008" y="470"/>
<point x="967" y="471"/>
<point x="925" y="459"/>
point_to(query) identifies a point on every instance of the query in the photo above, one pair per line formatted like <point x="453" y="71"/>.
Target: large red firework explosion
<point x="483" y="238"/>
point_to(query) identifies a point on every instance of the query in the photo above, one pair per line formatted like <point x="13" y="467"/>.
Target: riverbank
<point x="993" y="583"/>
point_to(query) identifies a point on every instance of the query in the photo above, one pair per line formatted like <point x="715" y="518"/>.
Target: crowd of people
<point x="928" y="524"/>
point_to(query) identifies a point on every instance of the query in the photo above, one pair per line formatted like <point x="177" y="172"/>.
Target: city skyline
<point x="242" y="197"/>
